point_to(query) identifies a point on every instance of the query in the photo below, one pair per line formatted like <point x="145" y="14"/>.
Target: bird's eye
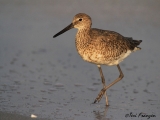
<point x="80" y="19"/>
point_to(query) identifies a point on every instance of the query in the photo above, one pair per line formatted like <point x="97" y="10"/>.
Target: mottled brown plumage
<point x="101" y="46"/>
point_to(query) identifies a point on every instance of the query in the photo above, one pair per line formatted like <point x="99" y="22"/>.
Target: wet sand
<point x="14" y="116"/>
<point x="46" y="77"/>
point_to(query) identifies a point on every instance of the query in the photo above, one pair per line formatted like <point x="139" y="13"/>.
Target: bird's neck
<point x="82" y="38"/>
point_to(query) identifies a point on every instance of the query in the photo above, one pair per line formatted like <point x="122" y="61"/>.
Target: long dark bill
<point x="64" y="30"/>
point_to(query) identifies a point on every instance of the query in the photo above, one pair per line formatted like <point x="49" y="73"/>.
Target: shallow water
<point x="46" y="77"/>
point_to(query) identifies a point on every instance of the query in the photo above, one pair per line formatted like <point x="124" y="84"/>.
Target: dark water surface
<point x="46" y="77"/>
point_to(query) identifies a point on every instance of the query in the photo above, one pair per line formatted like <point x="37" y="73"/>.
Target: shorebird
<point x="101" y="47"/>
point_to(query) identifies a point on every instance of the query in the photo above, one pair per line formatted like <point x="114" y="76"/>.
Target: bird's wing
<point x="106" y="34"/>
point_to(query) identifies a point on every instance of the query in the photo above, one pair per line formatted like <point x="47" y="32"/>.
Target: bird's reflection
<point x="101" y="115"/>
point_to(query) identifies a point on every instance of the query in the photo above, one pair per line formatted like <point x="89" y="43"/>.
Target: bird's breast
<point x="91" y="54"/>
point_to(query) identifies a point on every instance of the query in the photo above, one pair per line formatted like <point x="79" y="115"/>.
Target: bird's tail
<point x="133" y="44"/>
<point x="136" y="43"/>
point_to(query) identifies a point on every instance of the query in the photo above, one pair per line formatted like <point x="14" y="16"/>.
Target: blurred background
<point x="46" y="77"/>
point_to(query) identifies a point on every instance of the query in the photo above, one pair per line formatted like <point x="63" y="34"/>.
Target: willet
<point x="101" y="47"/>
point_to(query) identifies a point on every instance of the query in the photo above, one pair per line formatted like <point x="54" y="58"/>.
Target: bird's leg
<point x="103" y="82"/>
<point x="106" y="87"/>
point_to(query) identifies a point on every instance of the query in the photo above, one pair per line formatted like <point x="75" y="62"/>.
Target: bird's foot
<point x="100" y="95"/>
